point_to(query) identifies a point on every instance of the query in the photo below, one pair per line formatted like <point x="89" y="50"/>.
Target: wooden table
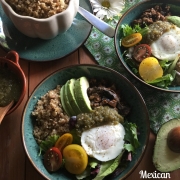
<point x="14" y="164"/>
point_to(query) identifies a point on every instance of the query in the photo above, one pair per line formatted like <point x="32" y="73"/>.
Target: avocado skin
<point x="80" y="92"/>
<point x="69" y="92"/>
<point x="164" y="159"/>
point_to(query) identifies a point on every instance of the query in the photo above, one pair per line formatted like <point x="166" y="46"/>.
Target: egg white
<point x="167" y="46"/>
<point x="104" y="142"/>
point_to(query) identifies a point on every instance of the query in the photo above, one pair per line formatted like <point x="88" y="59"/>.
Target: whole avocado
<point x="165" y="159"/>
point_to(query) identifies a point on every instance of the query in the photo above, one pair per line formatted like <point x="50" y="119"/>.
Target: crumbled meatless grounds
<point x="103" y="93"/>
<point x="157" y="13"/>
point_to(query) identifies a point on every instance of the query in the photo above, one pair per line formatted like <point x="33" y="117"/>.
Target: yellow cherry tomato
<point x="63" y="141"/>
<point x="76" y="159"/>
<point x="150" y="69"/>
<point x="131" y="40"/>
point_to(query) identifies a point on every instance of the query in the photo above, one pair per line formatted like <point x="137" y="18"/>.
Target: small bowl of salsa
<point x="12" y="81"/>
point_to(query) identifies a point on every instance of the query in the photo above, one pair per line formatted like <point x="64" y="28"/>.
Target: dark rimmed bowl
<point x="11" y="62"/>
<point x="138" y="115"/>
<point x="131" y="14"/>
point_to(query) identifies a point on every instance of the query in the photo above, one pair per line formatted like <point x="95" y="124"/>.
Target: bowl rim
<point x="24" y="83"/>
<point x="33" y="18"/>
<point x="116" y="42"/>
<point x="146" y="142"/>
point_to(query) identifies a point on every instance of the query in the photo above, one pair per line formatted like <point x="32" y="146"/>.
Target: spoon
<point x="96" y="22"/>
<point x="4" y="110"/>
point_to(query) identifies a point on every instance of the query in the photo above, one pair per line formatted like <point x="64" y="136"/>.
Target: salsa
<point x="10" y="88"/>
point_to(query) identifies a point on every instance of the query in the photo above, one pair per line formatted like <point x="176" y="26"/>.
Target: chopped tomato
<point x="76" y="159"/>
<point x="131" y="40"/>
<point x="150" y="69"/>
<point x="63" y="141"/>
<point x="141" y="52"/>
<point x="53" y="159"/>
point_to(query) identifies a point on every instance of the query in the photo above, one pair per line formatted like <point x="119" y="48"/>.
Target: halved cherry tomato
<point x="63" y="141"/>
<point x="131" y="40"/>
<point x="52" y="159"/>
<point x="150" y="69"/>
<point x="141" y="52"/>
<point x="76" y="159"/>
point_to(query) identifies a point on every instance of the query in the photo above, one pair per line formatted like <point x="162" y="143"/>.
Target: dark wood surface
<point x="14" y="164"/>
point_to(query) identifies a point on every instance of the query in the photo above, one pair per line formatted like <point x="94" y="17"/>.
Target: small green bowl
<point x="138" y="115"/>
<point x="127" y="18"/>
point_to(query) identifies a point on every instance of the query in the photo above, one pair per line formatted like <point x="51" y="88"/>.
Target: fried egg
<point x="104" y="142"/>
<point x="167" y="46"/>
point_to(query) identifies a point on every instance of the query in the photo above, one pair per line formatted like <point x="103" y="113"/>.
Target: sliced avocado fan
<point x="164" y="159"/>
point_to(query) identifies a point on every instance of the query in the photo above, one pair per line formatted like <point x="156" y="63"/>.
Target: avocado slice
<point x="80" y="92"/>
<point x="164" y="159"/>
<point x="69" y="92"/>
<point x="65" y="102"/>
<point x="174" y="19"/>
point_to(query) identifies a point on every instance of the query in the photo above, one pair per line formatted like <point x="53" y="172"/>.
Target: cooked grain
<point x="38" y="8"/>
<point x="50" y="116"/>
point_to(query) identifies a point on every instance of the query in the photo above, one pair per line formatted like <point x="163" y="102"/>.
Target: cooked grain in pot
<point x="50" y="117"/>
<point x="38" y="8"/>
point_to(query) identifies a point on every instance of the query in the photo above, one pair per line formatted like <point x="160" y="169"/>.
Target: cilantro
<point x="48" y="143"/>
<point x="130" y="137"/>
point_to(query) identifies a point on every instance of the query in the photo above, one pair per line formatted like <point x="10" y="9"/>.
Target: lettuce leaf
<point x="164" y="81"/>
<point x="48" y="143"/>
<point x="128" y="30"/>
<point x="108" y="167"/>
<point x="130" y="137"/>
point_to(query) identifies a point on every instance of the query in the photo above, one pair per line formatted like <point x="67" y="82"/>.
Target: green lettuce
<point x="130" y="137"/>
<point x="48" y="143"/>
<point x="108" y="167"/>
<point x="128" y="30"/>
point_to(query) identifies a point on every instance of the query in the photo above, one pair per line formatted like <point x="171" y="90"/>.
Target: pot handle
<point x="13" y="56"/>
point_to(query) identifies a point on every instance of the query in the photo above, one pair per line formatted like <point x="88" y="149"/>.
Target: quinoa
<point x="38" y="8"/>
<point x="50" y="116"/>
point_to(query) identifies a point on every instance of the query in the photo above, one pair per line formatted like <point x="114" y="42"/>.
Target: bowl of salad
<point x="147" y="43"/>
<point x="85" y="122"/>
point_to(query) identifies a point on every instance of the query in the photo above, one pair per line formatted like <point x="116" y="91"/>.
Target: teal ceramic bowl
<point x="138" y="115"/>
<point x="133" y="13"/>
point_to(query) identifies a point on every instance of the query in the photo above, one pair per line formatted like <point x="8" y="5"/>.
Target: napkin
<point x="162" y="106"/>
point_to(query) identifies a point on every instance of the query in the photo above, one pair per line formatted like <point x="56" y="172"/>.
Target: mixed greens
<point x="168" y="67"/>
<point x="96" y="169"/>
